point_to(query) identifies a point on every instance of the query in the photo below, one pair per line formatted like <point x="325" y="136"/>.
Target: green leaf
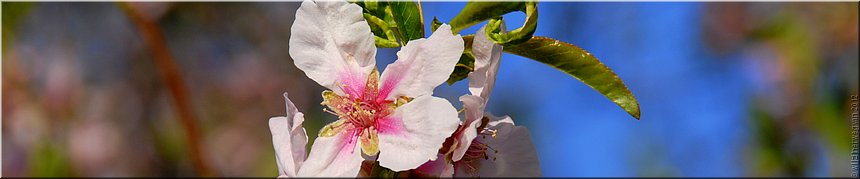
<point x="383" y="35"/>
<point x="372" y="7"/>
<point x="435" y="24"/>
<point x="385" y="43"/>
<point x="466" y="64"/>
<point x="476" y="12"/>
<point x="581" y="65"/>
<point x="495" y="28"/>
<point x="409" y="20"/>
<point x="381" y="23"/>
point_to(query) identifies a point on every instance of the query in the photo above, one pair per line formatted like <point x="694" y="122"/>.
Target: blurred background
<point x="726" y="89"/>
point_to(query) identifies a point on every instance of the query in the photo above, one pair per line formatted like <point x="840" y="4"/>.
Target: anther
<point x="330" y="112"/>
<point x="491" y="148"/>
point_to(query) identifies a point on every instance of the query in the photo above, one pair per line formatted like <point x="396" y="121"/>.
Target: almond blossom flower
<point x="392" y="116"/>
<point x="500" y="149"/>
<point x="485" y="146"/>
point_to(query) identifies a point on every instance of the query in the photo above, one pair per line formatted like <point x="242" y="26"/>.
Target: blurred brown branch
<point x="170" y="72"/>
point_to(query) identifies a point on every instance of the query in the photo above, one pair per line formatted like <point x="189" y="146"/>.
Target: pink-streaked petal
<point x="448" y="171"/>
<point x="422" y="65"/>
<point x="474" y="111"/>
<point x="298" y="135"/>
<point x="516" y="155"/>
<point x="331" y="42"/>
<point x="436" y="168"/>
<point x="334" y="156"/>
<point x="487" y="59"/>
<point x="289" y="139"/>
<point x="415" y="132"/>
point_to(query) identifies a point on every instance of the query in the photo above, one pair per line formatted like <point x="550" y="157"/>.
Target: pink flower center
<point x="363" y="112"/>
<point x="360" y="111"/>
<point x="362" y="106"/>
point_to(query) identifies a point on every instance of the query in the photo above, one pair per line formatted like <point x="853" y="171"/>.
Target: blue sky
<point x="693" y="106"/>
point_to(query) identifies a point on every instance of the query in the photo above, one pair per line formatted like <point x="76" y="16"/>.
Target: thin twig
<point x="171" y="75"/>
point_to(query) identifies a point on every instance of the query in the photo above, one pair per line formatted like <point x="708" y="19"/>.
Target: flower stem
<point x="170" y="73"/>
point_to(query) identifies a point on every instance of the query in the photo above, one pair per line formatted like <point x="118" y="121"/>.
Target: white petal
<point x="281" y="140"/>
<point x="415" y="131"/>
<point x="473" y="107"/>
<point x="297" y="132"/>
<point x="289" y="139"/>
<point x="487" y="59"/>
<point x="422" y="65"/>
<point x="335" y="156"/>
<point x="474" y="111"/>
<point x="516" y="155"/>
<point x="333" y="45"/>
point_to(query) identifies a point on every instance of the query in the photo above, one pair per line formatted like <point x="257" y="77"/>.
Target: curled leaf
<point x="476" y="12"/>
<point x="494" y="27"/>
